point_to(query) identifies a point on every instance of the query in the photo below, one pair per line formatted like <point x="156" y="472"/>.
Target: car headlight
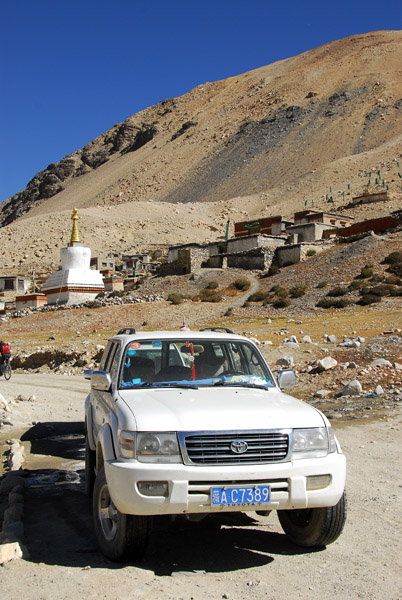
<point x="150" y="447"/>
<point x="312" y="443"/>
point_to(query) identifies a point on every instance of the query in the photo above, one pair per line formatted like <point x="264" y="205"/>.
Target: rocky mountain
<point x="292" y="134"/>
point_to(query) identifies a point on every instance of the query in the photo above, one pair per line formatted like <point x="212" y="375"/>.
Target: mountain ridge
<point x="274" y="139"/>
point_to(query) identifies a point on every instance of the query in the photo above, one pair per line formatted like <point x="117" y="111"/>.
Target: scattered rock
<point x="10" y="552"/>
<point x="348" y="343"/>
<point x="16" y="455"/>
<point x="381" y="362"/>
<point x="285" y="361"/>
<point x="324" y="364"/>
<point x="321" y="394"/>
<point x="4" y="405"/>
<point x="353" y="388"/>
<point x="293" y="345"/>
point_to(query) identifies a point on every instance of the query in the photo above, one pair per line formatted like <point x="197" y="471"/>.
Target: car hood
<point x="209" y="409"/>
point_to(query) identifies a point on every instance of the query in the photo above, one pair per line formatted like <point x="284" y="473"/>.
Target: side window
<point x="108" y="364"/>
<point x="237" y="358"/>
<point x="113" y="365"/>
<point x="254" y="362"/>
<point x="105" y="356"/>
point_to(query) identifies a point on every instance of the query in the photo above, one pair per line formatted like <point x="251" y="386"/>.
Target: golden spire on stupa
<point x="75" y="236"/>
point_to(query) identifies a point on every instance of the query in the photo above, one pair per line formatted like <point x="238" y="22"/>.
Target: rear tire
<point x="309" y="527"/>
<point x="120" y="537"/>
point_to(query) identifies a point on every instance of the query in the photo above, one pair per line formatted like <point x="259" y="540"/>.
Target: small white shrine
<point x="75" y="282"/>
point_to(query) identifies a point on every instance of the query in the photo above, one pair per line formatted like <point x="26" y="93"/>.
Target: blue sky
<point x="71" y="69"/>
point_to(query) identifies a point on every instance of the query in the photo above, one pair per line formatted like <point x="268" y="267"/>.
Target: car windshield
<point x="192" y="362"/>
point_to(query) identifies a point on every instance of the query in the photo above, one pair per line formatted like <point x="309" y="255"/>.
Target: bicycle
<point x="5" y="370"/>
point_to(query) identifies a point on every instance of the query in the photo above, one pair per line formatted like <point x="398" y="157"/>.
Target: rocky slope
<point x="271" y="141"/>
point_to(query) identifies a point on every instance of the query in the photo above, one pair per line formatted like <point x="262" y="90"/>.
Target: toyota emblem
<point x="239" y="447"/>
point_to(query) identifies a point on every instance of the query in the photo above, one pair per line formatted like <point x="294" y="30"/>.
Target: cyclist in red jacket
<point x="5" y="353"/>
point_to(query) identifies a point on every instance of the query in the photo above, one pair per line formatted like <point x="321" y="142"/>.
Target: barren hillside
<point x="271" y="141"/>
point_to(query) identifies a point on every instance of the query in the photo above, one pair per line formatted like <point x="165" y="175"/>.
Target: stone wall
<point x="30" y="301"/>
<point x="71" y="297"/>
<point x="368" y="198"/>
<point x="244" y="244"/>
<point x="113" y="285"/>
<point x="376" y="225"/>
<point x="257" y="259"/>
<point x="188" y="259"/>
<point x="290" y="255"/>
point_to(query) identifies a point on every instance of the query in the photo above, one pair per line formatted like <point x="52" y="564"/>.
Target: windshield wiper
<point x="151" y="384"/>
<point x="242" y="384"/>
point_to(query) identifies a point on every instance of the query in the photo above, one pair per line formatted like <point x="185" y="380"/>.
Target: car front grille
<point x="209" y="448"/>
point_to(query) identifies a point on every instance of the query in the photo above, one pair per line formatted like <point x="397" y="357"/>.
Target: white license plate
<point x="240" y="496"/>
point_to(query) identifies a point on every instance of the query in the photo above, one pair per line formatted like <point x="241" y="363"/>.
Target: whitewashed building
<point x="75" y="282"/>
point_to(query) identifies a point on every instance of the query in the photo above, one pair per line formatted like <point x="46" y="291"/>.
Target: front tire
<point x="309" y="527"/>
<point x="7" y="371"/>
<point x="120" y="536"/>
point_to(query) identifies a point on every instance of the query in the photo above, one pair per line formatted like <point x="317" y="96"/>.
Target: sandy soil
<point x="248" y="558"/>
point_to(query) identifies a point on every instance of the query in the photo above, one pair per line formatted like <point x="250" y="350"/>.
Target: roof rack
<point x="225" y="329"/>
<point x="126" y="331"/>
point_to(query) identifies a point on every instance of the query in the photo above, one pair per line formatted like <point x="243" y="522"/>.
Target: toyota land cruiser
<point x="194" y="423"/>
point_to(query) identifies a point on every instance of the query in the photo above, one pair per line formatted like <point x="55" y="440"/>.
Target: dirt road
<point x="249" y="558"/>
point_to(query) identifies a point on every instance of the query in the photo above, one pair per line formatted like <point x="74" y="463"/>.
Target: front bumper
<point x="189" y="487"/>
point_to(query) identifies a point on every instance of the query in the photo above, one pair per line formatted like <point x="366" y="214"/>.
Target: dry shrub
<point x="332" y="303"/>
<point x="175" y="298"/>
<point x="210" y="296"/>
<point x="241" y="284"/>
<point x="230" y="292"/>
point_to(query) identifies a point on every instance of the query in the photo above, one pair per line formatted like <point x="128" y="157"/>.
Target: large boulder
<point x="327" y="363"/>
<point x="381" y="362"/>
<point x="353" y="388"/>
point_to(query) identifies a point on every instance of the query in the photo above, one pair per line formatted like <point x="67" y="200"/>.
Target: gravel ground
<point x="249" y="558"/>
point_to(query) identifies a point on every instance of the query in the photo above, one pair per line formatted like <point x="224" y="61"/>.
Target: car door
<point x="103" y="401"/>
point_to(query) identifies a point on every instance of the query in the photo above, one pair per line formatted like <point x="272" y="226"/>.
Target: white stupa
<point x="75" y="282"/>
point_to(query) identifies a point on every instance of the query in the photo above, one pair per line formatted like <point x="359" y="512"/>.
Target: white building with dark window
<point x="15" y="284"/>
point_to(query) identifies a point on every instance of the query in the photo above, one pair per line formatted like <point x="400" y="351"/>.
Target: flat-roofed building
<point x="265" y="226"/>
<point x="326" y="218"/>
<point x="15" y="283"/>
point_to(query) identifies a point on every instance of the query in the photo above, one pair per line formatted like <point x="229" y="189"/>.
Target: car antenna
<point x="184" y="326"/>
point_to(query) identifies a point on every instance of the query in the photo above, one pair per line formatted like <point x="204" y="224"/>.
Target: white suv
<point x="193" y="423"/>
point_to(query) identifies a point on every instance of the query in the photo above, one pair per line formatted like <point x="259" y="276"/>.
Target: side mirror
<point x="286" y="379"/>
<point x="101" y="380"/>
